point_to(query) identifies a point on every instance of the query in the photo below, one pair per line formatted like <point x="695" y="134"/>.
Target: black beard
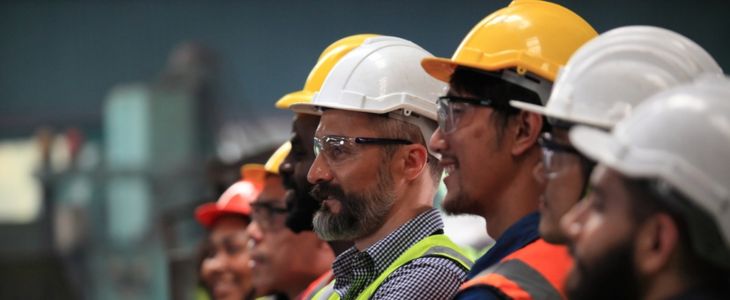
<point x="301" y="206"/>
<point x="613" y="276"/>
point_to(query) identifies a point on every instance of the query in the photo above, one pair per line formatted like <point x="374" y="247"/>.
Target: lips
<point x="333" y="205"/>
<point x="449" y="164"/>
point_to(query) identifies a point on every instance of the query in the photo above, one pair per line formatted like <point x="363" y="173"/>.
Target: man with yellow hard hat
<point x="300" y="152"/>
<point x="489" y="149"/>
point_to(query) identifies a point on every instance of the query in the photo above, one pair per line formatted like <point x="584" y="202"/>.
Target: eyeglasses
<point x="338" y="148"/>
<point x="453" y="110"/>
<point x="267" y="215"/>
<point x="557" y="157"/>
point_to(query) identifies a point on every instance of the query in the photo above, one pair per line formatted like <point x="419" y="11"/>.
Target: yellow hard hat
<point x="272" y="165"/>
<point x="326" y="61"/>
<point x="529" y="35"/>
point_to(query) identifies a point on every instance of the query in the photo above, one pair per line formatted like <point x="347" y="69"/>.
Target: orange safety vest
<point x="321" y="282"/>
<point x="537" y="271"/>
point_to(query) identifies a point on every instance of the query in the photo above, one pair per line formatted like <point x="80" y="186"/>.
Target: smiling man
<point x="376" y="179"/>
<point x="489" y="149"/>
<point x="656" y="224"/>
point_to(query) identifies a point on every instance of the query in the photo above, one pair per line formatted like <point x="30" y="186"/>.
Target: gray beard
<point x="360" y="215"/>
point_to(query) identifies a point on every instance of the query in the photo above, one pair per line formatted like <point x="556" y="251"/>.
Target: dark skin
<point x="294" y="170"/>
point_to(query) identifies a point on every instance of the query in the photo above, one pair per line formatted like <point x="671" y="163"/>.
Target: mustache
<point x="324" y="190"/>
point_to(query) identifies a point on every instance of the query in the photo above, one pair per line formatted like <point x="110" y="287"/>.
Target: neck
<point x="319" y="262"/>
<point x="295" y="289"/>
<point x="663" y="286"/>
<point x="518" y="199"/>
<point x="416" y="199"/>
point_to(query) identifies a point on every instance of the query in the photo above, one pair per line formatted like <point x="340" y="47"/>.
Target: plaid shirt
<point x="423" y="278"/>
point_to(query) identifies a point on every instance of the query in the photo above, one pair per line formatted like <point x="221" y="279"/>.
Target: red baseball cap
<point x="236" y="199"/>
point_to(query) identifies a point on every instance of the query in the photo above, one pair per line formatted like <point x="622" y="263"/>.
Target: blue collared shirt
<point x="517" y="236"/>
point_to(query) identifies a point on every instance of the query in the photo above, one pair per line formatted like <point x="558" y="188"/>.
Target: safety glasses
<point x="557" y="157"/>
<point x="267" y="215"/>
<point x="454" y="111"/>
<point x="337" y="148"/>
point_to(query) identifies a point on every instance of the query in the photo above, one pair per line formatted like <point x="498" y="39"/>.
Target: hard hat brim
<point x="439" y="68"/>
<point x="442" y="68"/>
<point x="292" y="98"/>
<point x="207" y="214"/>
<point x="545" y="111"/>
<point x="306" y="108"/>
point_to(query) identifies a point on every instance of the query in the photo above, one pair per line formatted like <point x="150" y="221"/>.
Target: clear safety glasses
<point x="557" y="157"/>
<point x="337" y="148"/>
<point x="267" y="215"/>
<point x="454" y="111"/>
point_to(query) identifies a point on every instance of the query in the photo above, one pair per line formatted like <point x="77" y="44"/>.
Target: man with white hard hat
<point x="656" y="223"/>
<point x="376" y="178"/>
<point x="600" y="85"/>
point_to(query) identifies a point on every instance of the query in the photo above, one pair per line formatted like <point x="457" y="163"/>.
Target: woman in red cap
<point x="224" y="268"/>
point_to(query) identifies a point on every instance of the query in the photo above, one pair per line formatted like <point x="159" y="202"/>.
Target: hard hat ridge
<point x="382" y="76"/>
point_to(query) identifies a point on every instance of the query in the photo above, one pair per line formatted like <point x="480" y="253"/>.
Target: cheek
<point x="359" y="175"/>
<point x="596" y="235"/>
<point x="240" y="264"/>
<point x="300" y="171"/>
<point x="206" y="270"/>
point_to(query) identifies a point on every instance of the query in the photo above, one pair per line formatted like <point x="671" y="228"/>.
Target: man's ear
<point x="527" y="130"/>
<point x="413" y="160"/>
<point x="656" y="242"/>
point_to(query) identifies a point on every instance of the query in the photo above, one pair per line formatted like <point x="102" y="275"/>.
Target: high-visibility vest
<point x="434" y="245"/>
<point x="537" y="271"/>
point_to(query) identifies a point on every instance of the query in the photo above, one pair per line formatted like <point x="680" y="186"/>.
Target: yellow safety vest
<point x="434" y="245"/>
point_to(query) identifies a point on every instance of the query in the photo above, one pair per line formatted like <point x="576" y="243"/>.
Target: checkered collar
<point x="355" y="269"/>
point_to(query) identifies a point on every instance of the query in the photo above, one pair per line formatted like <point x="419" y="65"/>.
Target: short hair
<point x="490" y="85"/>
<point x="649" y="196"/>
<point x="398" y="129"/>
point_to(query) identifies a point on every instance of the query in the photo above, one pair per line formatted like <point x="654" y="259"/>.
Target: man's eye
<point x="458" y="109"/>
<point x="338" y="151"/>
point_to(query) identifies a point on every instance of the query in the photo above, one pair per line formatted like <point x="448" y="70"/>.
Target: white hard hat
<point x="679" y="137"/>
<point x="382" y="76"/>
<point x="608" y="76"/>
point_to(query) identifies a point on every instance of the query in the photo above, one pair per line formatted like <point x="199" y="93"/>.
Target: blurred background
<point x="118" y="118"/>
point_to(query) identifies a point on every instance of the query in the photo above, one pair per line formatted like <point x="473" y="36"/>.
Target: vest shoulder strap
<point x="435" y="245"/>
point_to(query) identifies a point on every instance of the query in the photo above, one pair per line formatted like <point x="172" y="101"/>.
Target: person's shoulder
<point x="480" y="293"/>
<point x="431" y="267"/>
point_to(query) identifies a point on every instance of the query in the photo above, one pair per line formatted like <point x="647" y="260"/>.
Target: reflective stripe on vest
<point x="536" y="271"/>
<point x="434" y="245"/>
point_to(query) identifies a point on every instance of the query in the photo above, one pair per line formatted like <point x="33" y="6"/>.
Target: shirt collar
<point x="387" y="250"/>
